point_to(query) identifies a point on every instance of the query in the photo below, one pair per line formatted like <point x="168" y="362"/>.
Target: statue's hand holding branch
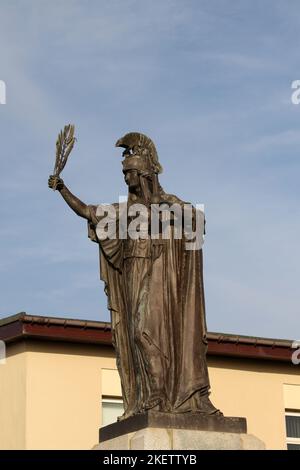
<point x="55" y="183"/>
<point x="64" y="146"/>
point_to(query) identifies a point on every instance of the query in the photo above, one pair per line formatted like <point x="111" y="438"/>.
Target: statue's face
<point x="132" y="179"/>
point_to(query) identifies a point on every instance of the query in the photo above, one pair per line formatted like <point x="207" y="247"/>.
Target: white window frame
<point x="112" y="400"/>
<point x="292" y="440"/>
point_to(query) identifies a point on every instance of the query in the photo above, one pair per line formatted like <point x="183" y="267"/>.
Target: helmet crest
<point x="140" y="153"/>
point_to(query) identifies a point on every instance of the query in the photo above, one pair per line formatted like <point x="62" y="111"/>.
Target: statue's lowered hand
<point x="55" y="183"/>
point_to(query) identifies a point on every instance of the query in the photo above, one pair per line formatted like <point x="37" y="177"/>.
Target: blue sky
<point x="210" y="83"/>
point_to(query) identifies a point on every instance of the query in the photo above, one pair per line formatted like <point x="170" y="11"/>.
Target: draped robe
<point x="156" y="299"/>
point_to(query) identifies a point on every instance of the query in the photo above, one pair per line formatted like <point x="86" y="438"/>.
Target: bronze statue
<point x="155" y="295"/>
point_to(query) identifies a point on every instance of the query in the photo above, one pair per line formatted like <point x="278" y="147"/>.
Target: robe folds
<point x="156" y="299"/>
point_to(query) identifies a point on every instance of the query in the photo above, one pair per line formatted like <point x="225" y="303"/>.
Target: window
<point x="292" y="422"/>
<point x="112" y="408"/>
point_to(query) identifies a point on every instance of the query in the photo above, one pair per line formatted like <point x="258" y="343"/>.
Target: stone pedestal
<point x="190" y="431"/>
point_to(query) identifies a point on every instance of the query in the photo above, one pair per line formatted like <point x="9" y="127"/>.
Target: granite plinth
<point x="184" y="421"/>
<point x="181" y="439"/>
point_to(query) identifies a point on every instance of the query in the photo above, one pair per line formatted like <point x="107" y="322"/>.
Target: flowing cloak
<point x="156" y="299"/>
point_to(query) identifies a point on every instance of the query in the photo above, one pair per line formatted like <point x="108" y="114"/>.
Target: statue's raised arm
<point x="79" y="207"/>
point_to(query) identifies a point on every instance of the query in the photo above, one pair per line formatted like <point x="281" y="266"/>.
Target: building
<point x="59" y="383"/>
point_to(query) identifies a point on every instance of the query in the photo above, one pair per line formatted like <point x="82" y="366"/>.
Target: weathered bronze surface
<point x="155" y="296"/>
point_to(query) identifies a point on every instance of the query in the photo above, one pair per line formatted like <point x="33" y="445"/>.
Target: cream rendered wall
<point x="292" y="396"/>
<point x="254" y="390"/>
<point x="111" y="385"/>
<point x="64" y="394"/>
<point x="13" y="398"/>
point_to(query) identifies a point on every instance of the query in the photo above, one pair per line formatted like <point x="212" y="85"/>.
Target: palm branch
<point x="64" y="145"/>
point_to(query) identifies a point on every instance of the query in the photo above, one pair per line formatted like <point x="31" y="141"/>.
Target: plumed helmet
<point x="140" y="153"/>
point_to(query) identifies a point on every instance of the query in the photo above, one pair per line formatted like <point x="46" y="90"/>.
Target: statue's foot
<point x="206" y="407"/>
<point x="126" y="415"/>
<point x="120" y="418"/>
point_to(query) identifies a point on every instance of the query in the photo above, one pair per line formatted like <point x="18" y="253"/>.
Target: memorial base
<point x="190" y="431"/>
